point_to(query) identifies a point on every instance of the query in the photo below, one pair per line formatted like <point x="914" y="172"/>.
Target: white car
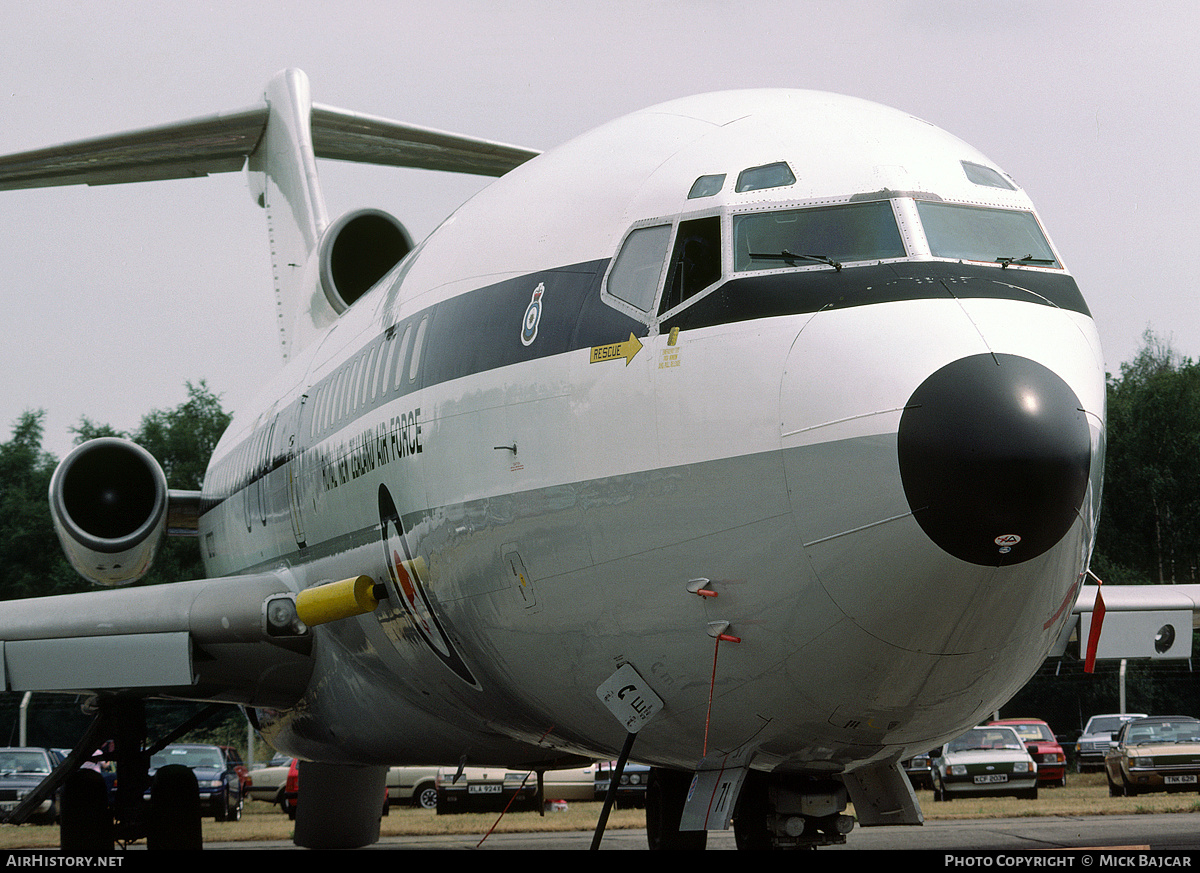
<point x="413" y="786"/>
<point x="989" y="760"/>
<point x="266" y="782"/>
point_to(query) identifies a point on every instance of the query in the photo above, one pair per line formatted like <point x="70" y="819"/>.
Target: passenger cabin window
<point x="973" y="233"/>
<point x="695" y="262"/>
<point x="826" y="234"/>
<point x="639" y="265"/>
<point x="399" y="362"/>
<point x="418" y="343"/>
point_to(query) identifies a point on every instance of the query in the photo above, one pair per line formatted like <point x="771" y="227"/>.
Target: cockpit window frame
<point x="622" y="305"/>
<point x="652" y="316"/>
<point x="765" y="177"/>
<point x="722" y="215"/>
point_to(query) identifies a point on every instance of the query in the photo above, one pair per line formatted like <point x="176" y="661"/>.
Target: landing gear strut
<point x="92" y="821"/>
<point x="790" y="812"/>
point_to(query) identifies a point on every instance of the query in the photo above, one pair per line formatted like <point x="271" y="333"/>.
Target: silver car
<point x="1097" y="738"/>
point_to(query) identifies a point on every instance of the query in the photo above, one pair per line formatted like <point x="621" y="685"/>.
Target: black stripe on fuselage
<point x="773" y="294"/>
<point x="481" y="331"/>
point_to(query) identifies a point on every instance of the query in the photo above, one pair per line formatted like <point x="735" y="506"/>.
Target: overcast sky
<point x="115" y="297"/>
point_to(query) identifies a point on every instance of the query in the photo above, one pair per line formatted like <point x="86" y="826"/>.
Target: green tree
<point x="33" y="562"/>
<point x="1150" y="519"/>
<point x="182" y="440"/>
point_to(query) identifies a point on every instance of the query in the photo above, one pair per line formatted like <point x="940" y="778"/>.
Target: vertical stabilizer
<point x="283" y="178"/>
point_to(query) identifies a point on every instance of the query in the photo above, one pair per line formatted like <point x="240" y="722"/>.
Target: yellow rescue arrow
<point x="616" y="351"/>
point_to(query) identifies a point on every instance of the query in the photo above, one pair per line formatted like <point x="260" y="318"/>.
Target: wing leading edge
<point x="1137" y="621"/>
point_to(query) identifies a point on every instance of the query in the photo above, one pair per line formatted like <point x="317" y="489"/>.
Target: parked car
<point x="291" y="789"/>
<point x="1155" y="754"/>
<point x="266" y="782"/>
<point x="571" y="783"/>
<point x="1043" y="747"/>
<point x="919" y="771"/>
<point x="22" y="769"/>
<point x="220" y="774"/>
<point x="985" y="760"/>
<point x="631" y="790"/>
<point x="485" y="788"/>
<point x="415" y="786"/>
<point x="1097" y="738"/>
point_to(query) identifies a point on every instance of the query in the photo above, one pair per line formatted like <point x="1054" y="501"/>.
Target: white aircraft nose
<point x="995" y="454"/>
<point x="942" y="496"/>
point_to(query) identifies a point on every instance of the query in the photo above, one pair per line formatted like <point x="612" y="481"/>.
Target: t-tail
<point x="320" y="267"/>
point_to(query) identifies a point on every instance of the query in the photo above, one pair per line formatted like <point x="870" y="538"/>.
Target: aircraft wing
<point x="194" y="640"/>
<point x="221" y="143"/>
<point x="1142" y="598"/>
<point x="1137" y="621"/>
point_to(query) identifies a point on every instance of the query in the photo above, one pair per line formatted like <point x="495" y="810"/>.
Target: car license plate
<point x="485" y="789"/>
<point x="991" y="777"/>
<point x="1179" y="780"/>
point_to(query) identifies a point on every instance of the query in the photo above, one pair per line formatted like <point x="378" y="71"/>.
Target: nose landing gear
<point x="790" y="812"/>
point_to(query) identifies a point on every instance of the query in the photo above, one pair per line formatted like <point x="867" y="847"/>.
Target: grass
<point x="1084" y="794"/>
<point x="264" y="821"/>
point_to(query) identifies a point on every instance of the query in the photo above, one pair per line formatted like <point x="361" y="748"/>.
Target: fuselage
<point x="803" y="351"/>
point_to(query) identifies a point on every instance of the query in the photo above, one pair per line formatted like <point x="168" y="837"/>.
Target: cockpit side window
<point x="695" y="262"/>
<point x="974" y="233"/>
<point x="638" y="267"/>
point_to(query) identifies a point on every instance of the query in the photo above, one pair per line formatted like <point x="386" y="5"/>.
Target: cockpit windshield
<point x="973" y="233"/>
<point x="829" y="235"/>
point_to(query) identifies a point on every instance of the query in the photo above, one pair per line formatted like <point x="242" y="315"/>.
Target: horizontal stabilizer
<point x="221" y="143"/>
<point x="215" y="144"/>
<point x="349" y="136"/>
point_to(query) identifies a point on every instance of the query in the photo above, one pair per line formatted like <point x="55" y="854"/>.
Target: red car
<point x="1043" y="747"/>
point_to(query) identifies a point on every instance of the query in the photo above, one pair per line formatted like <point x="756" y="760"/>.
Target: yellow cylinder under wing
<point x="335" y="600"/>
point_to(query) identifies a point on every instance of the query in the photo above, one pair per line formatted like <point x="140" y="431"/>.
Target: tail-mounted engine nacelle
<point x="356" y="251"/>
<point x="109" y="501"/>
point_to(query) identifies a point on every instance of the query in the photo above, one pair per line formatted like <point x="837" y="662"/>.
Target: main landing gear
<point x="94" y="820"/>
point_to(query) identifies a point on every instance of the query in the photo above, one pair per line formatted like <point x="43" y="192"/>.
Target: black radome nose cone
<point x="994" y="455"/>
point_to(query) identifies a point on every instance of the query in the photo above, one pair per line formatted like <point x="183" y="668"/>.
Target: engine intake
<point x="356" y="251"/>
<point x="109" y="500"/>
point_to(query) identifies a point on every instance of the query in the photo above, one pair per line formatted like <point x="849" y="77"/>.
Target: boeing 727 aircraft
<point x="757" y="435"/>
